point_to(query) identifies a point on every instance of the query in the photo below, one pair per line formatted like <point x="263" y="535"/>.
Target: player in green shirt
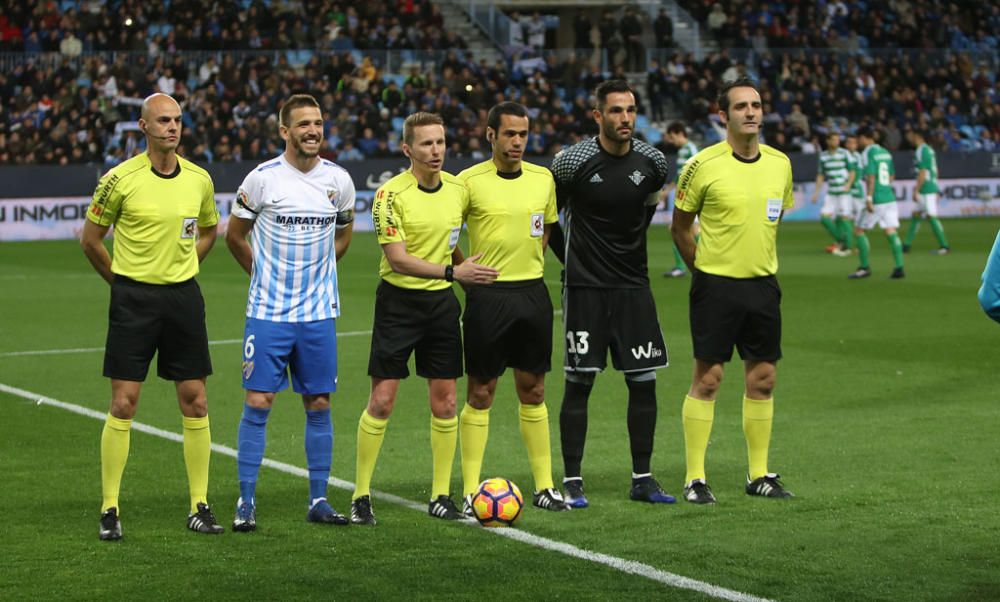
<point x="880" y="204"/>
<point x="677" y="136"/>
<point x="925" y="193"/>
<point x="836" y="169"/>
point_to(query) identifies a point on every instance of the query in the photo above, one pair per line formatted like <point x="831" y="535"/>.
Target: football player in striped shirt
<point x="300" y="209"/>
<point x="677" y="136"/>
<point x="836" y="170"/>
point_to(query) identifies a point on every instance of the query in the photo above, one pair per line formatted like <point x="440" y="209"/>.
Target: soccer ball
<point x="497" y="503"/>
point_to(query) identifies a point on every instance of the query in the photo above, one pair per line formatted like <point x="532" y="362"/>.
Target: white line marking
<point x="353" y="333"/>
<point x="620" y="564"/>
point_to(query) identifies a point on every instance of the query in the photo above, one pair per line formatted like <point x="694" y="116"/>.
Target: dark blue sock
<point x="251" y="440"/>
<point x="319" y="450"/>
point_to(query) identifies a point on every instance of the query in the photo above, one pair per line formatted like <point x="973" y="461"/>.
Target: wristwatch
<point x="449" y="273"/>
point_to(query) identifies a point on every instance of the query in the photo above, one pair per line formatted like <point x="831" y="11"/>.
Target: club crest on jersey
<point x="247" y="369"/>
<point x="637" y="177"/>
<point x="773" y="209"/>
<point x="188" y="229"/>
<point x="332" y="194"/>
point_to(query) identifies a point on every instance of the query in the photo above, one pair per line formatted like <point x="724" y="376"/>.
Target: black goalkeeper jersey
<point x="608" y="201"/>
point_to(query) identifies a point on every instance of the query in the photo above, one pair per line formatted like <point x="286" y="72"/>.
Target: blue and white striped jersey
<point x="294" y="277"/>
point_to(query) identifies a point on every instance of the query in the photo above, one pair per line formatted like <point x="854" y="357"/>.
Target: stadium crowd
<point x="73" y="98"/>
<point x="849" y="25"/>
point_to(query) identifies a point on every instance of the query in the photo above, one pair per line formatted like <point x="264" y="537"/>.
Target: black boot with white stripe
<point x="444" y="508"/>
<point x="550" y="499"/>
<point x="768" y="485"/>
<point x="203" y="521"/>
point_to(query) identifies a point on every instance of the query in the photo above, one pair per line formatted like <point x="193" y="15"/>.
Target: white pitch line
<point x="353" y="333"/>
<point x="620" y="564"/>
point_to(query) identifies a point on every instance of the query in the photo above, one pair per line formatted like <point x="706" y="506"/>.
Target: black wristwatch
<point x="449" y="273"/>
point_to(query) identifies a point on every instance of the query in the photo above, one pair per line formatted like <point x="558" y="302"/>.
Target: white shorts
<point x="928" y="203"/>
<point x="885" y="216"/>
<point x="838" y="204"/>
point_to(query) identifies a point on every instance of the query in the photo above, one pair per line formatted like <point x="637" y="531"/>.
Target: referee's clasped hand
<point x="470" y="272"/>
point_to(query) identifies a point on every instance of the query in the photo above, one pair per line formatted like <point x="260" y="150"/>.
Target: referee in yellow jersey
<point x="418" y="218"/>
<point x="739" y="188"/>
<point x="163" y="210"/>
<point x="512" y="205"/>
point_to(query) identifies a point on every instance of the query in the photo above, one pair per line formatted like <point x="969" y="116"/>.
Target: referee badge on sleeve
<point x="537" y="225"/>
<point x="773" y="209"/>
<point x="453" y="238"/>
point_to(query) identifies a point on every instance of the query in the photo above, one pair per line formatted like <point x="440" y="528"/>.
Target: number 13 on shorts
<point x="577" y="342"/>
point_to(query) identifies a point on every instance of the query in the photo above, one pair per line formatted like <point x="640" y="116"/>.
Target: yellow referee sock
<point x="197" y="453"/>
<point x="371" y="431"/>
<point x="697" y="417"/>
<point x="114" y="453"/>
<point x="534" y="421"/>
<point x="473" y="431"/>
<point x="757" y="417"/>
<point x="444" y="437"/>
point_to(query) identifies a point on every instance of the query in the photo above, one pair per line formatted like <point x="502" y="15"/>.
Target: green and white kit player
<point x="925" y="193"/>
<point x="858" y="187"/>
<point x="880" y="204"/>
<point x="836" y="169"/>
<point x="677" y="136"/>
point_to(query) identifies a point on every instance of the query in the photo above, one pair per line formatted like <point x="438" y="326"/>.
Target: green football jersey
<point x="684" y="154"/>
<point x="926" y="158"/>
<point x="835" y="167"/>
<point x="858" y="188"/>
<point x="878" y="162"/>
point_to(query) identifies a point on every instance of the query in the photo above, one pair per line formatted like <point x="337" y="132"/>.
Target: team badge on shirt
<point x="332" y="194"/>
<point x="537" y="225"/>
<point x="637" y="177"/>
<point x="773" y="209"/>
<point x="188" y="229"/>
<point x="247" y="369"/>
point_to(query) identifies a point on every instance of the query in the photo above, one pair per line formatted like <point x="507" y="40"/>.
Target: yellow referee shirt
<point x="156" y="218"/>
<point x="739" y="203"/>
<point x="507" y="217"/>
<point x="428" y="221"/>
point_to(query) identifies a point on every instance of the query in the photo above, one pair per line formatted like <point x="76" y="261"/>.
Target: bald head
<point x="161" y="122"/>
<point x="158" y="103"/>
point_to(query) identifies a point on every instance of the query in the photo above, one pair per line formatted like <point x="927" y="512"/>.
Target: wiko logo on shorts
<point x="644" y="353"/>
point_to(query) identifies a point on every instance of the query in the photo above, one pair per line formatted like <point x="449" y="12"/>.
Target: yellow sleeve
<point x="690" y="188"/>
<point x="551" y="213"/>
<point x="107" y="201"/>
<point x="208" y="215"/>
<point x="387" y="217"/>
<point x="789" y="199"/>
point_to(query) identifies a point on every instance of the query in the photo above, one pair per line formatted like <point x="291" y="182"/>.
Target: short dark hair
<point x="866" y="131"/>
<point x="416" y="120"/>
<point x="676" y="127"/>
<point x="504" y="108"/>
<point x="920" y="132"/>
<point x="295" y="101"/>
<point x="610" y="87"/>
<point x="742" y="82"/>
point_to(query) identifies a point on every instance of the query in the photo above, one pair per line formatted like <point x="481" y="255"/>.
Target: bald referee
<point x="740" y="189"/>
<point x="163" y="210"/>
<point x="512" y="206"/>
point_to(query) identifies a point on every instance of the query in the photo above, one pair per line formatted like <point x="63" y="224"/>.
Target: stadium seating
<point x="372" y="64"/>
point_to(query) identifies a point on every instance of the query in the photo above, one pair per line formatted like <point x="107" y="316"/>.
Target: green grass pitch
<point x="886" y="428"/>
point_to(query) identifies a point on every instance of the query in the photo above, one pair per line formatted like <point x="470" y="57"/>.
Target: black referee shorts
<point x="740" y="312"/>
<point x="622" y="320"/>
<point x="147" y="318"/>
<point x="412" y="320"/>
<point x="508" y="324"/>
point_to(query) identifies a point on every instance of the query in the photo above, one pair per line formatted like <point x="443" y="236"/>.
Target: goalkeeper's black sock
<point x="573" y="425"/>
<point x="641" y="422"/>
